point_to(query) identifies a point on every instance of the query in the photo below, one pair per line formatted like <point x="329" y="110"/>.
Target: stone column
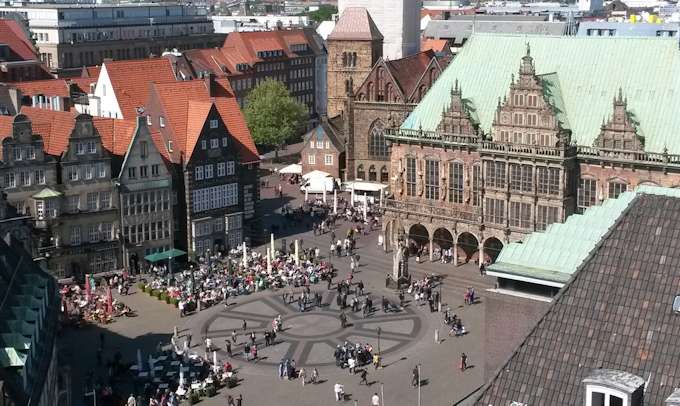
<point x="271" y="238"/>
<point x="297" y="252"/>
<point x="481" y="254"/>
<point x="431" y="247"/>
<point x="455" y="254"/>
<point x="245" y="255"/>
<point x="335" y="201"/>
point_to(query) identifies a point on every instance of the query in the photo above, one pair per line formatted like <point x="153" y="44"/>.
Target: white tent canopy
<point x="318" y="182"/>
<point x="359" y="186"/>
<point x="295" y="169"/>
<point x="316" y="174"/>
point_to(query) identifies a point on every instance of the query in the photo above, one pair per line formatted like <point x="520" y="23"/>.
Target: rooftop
<point x="651" y="82"/>
<point x="615" y="313"/>
<point x="355" y="24"/>
<point x="551" y="258"/>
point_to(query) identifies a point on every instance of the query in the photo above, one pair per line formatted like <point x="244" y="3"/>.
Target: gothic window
<point x="616" y="188"/>
<point x="384" y="175"/>
<point x="495" y="174"/>
<point x="410" y="176"/>
<point x="344" y="59"/>
<point x="545" y="215"/>
<point x="587" y="194"/>
<point x="548" y="180"/>
<point x="456" y="182"/>
<point x="431" y="179"/>
<point x="520" y="215"/>
<point x="476" y="184"/>
<point x="354" y="59"/>
<point x="372" y="174"/>
<point x="377" y="146"/>
<point x="361" y="174"/>
<point x="495" y="211"/>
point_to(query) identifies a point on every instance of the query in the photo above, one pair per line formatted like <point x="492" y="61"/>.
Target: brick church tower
<point x="354" y="46"/>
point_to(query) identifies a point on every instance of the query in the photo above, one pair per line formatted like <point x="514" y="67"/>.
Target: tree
<point x="323" y="13"/>
<point x="273" y="116"/>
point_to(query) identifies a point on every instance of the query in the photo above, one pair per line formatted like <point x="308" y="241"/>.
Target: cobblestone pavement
<point x="407" y="337"/>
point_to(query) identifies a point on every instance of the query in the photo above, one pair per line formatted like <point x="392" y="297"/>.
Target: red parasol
<point x="109" y="300"/>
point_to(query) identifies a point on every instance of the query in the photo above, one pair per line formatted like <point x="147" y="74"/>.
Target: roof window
<point x="676" y="305"/>
<point x="608" y="387"/>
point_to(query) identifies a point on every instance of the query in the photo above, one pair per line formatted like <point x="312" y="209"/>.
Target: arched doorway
<point x="418" y="238"/>
<point x="468" y="245"/>
<point x="443" y="238"/>
<point x="492" y="247"/>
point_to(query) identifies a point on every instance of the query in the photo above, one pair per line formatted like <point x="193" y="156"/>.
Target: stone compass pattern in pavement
<point x="310" y="337"/>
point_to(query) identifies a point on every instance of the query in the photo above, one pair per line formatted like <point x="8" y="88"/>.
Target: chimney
<point x="210" y="83"/>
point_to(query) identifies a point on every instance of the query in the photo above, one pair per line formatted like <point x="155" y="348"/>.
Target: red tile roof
<point x="91" y="71"/>
<point x="54" y="126"/>
<point x="115" y="134"/>
<point x="408" y="71"/>
<point x="436" y="45"/>
<point x="84" y="84"/>
<point x="355" y="24"/>
<point x="242" y="47"/>
<point x="131" y="79"/>
<point x="51" y="87"/>
<point x="14" y="35"/>
<point x="185" y="106"/>
<point x="210" y="60"/>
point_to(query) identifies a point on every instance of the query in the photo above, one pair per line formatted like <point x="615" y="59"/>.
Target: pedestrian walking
<point x="245" y="325"/>
<point x="233" y="336"/>
<point x="375" y="400"/>
<point x="339" y="391"/>
<point x="315" y="376"/>
<point x="252" y="338"/>
<point x="364" y="374"/>
<point x="415" y="379"/>
<point x="436" y="336"/>
<point x="463" y="361"/>
<point x="376" y="361"/>
<point x="351" y="363"/>
<point x="228" y="347"/>
<point x="302" y="375"/>
<point x="189" y="341"/>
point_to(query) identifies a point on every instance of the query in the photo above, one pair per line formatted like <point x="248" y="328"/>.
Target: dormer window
<point x="161" y="122"/>
<point x="607" y="387"/>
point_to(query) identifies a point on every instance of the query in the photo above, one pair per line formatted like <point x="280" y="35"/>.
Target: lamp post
<point x="379" y="331"/>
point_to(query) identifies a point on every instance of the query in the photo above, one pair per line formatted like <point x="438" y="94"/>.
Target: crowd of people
<point x="94" y="302"/>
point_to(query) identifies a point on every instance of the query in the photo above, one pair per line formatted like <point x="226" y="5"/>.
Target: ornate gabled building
<point x="485" y="159"/>
<point x="382" y="101"/>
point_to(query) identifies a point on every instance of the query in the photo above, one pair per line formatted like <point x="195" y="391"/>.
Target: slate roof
<point x="651" y="82"/>
<point x="355" y="24"/>
<point x="185" y="105"/>
<point x="130" y="81"/>
<point x="626" y="29"/>
<point x="616" y="313"/>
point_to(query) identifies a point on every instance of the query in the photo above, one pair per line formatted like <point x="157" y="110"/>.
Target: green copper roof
<point x="554" y="255"/>
<point x="590" y="72"/>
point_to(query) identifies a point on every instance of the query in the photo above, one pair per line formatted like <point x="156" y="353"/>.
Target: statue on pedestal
<point x="400" y="276"/>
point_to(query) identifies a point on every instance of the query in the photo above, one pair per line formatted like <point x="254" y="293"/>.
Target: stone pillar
<point x="271" y="238"/>
<point x="481" y="254"/>
<point x="335" y="201"/>
<point x="431" y="247"/>
<point x="306" y="193"/>
<point x="324" y="193"/>
<point x="245" y="255"/>
<point x="455" y="254"/>
<point x="297" y="252"/>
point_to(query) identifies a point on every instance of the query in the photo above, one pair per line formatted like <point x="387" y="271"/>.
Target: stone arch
<point x="492" y="247"/>
<point x="418" y="238"/>
<point x="648" y="183"/>
<point x="443" y="238"/>
<point x="468" y="245"/>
